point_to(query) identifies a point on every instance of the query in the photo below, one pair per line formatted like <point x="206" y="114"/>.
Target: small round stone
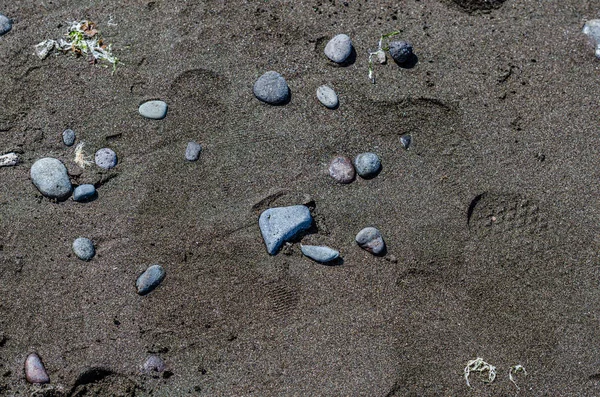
<point x="106" y="158"/>
<point x="154" y="365"/>
<point x="327" y="97"/>
<point x="342" y="170"/>
<point x="150" y="279"/>
<point x="83" y="193"/>
<point x="370" y="239"/>
<point x="68" y="137"/>
<point x="272" y="88"/>
<point x="154" y="110"/>
<point x="35" y="371"/>
<point x="84" y="248"/>
<point x="405" y="141"/>
<point x="367" y="165"/>
<point x="192" y="151"/>
<point x="339" y="48"/>
<point x="401" y="51"/>
<point x="50" y="176"/>
<point x="5" y="24"/>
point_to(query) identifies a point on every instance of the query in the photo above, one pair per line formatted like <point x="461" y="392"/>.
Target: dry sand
<point x="503" y="109"/>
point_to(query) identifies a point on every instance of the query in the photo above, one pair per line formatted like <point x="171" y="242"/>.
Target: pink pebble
<point x="34" y="370"/>
<point x="342" y="170"/>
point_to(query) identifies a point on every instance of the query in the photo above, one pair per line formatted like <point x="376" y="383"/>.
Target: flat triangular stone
<point x="282" y="224"/>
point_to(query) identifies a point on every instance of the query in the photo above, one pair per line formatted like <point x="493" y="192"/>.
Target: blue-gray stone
<point x="320" y="253"/>
<point x="106" y="158"/>
<point x="367" y="165"/>
<point x="155" y="110"/>
<point x="282" y="224"/>
<point x="150" y="279"/>
<point x="84" y="248"/>
<point x="405" y="140"/>
<point x="154" y="365"/>
<point x="84" y="193"/>
<point x="192" y="151"/>
<point x="272" y="88"/>
<point x="339" y="48"/>
<point x="327" y="97"/>
<point x="68" y="137"/>
<point x="50" y="176"/>
<point x="401" y="51"/>
<point x="370" y="239"/>
<point x="5" y="24"/>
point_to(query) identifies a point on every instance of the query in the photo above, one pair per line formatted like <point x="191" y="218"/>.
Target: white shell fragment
<point x="9" y="159"/>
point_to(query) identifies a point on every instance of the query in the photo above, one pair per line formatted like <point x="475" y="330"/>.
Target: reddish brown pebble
<point x="34" y="370"/>
<point x="342" y="170"/>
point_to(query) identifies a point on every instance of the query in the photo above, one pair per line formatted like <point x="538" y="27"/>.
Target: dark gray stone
<point x="68" y="136"/>
<point x="272" y="88"/>
<point x="370" y="239"/>
<point x="339" y="48"/>
<point x="83" y="193"/>
<point x="106" y="158"/>
<point x="367" y="164"/>
<point x="192" y="151"/>
<point x="282" y="224"/>
<point x="5" y="24"/>
<point x="84" y="248"/>
<point x="150" y="279"/>
<point x="406" y="140"/>
<point x="401" y="51"/>
<point x="320" y="254"/>
<point x="50" y="176"/>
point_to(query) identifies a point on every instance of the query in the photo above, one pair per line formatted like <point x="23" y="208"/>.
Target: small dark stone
<point x="400" y="51"/>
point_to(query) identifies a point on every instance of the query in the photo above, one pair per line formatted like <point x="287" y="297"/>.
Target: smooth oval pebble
<point x="50" y="176"/>
<point x="342" y="170"/>
<point x="150" y="279"/>
<point x="68" y="136"/>
<point x="192" y="151"/>
<point x="154" y="110"/>
<point x="272" y="88"/>
<point x="339" y="48"/>
<point x="106" y="158"/>
<point x="83" y="193"/>
<point x="5" y="24"/>
<point x="401" y="51"/>
<point x="592" y="30"/>
<point x="154" y="364"/>
<point x="35" y="371"/>
<point x="367" y="164"/>
<point x="327" y="97"/>
<point x="84" y="248"/>
<point x="370" y="239"/>
<point x="320" y="254"/>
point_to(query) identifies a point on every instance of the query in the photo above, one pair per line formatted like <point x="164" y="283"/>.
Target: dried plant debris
<point x="379" y="54"/>
<point x="514" y="370"/>
<point x="478" y="365"/>
<point x="81" y="158"/>
<point x="82" y="39"/>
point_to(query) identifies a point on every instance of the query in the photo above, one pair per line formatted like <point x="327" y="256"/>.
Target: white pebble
<point x="9" y="159"/>
<point x="339" y="48"/>
<point x="327" y="97"/>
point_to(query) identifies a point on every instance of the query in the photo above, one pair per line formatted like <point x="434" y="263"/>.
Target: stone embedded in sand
<point x="405" y="141"/>
<point x="68" y="137"/>
<point x="401" y="51"/>
<point x="327" y="97"/>
<point x="192" y="151"/>
<point x="320" y="254"/>
<point x="282" y="224"/>
<point x="106" y="158"/>
<point x="592" y="30"/>
<point x="342" y="170"/>
<point x="154" y="365"/>
<point x="272" y="88"/>
<point x="84" y="248"/>
<point x="367" y="165"/>
<point x="5" y="24"/>
<point x="35" y="371"/>
<point x="150" y="279"/>
<point x="339" y="48"/>
<point x="9" y="159"/>
<point x="83" y="193"/>
<point x="155" y="110"/>
<point x="50" y="176"/>
<point x="370" y="239"/>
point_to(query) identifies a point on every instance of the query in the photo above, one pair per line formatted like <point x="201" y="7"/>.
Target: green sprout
<point x="380" y="54"/>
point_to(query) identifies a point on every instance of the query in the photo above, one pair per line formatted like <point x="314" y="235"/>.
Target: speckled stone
<point x="154" y="365"/>
<point x="367" y="165"/>
<point x="327" y="97"/>
<point x="155" y="110"/>
<point x="370" y="239"/>
<point x="50" y="176"/>
<point x="150" y="279"/>
<point x="342" y="170"/>
<point x="282" y="224"/>
<point x="320" y="254"/>
<point x="84" y="248"/>
<point x="5" y="24"/>
<point x="35" y="371"/>
<point x="339" y="48"/>
<point x="401" y="51"/>
<point x="192" y="151"/>
<point x="106" y="158"/>
<point x="68" y="137"/>
<point x="83" y="193"/>
<point x="272" y="88"/>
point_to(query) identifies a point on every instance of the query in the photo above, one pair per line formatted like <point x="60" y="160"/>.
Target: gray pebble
<point x="155" y="110"/>
<point x="106" y="158"/>
<point x="406" y="140"/>
<point x="272" y="88"/>
<point x="83" y="193"/>
<point x="370" y="239"/>
<point x="339" y="48"/>
<point x="150" y="279"/>
<point x="5" y="24"/>
<point x="35" y="371"/>
<point x="154" y="365"/>
<point x="327" y="97"/>
<point x="367" y="165"/>
<point x="192" y="151"/>
<point x="282" y="224"/>
<point x="592" y="30"/>
<point x="68" y="136"/>
<point x="50" y="176"/>
<point x="401" y="51"/>
<point x="342" y="170"/>
<point x="319" y="253"/>
<point x="84" y="248"/>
